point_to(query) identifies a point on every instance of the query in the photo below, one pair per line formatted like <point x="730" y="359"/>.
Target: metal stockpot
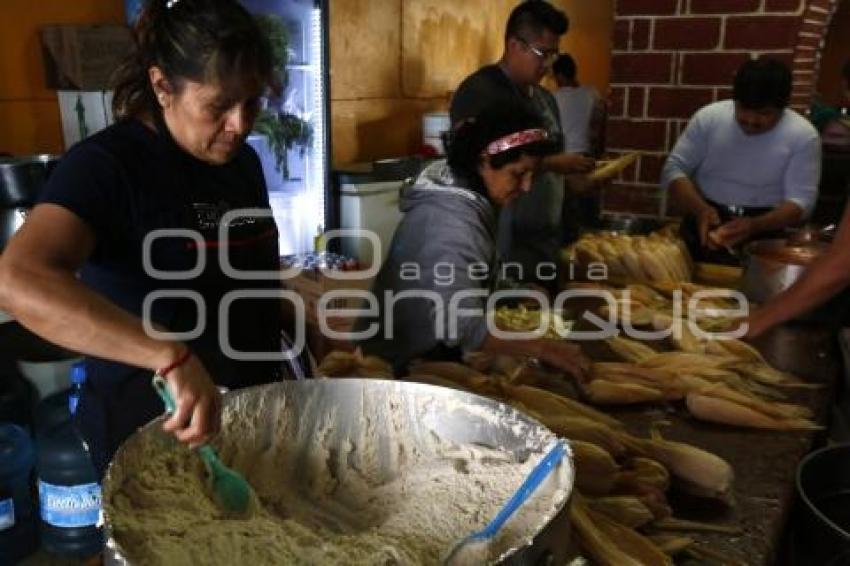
<point x="22" y="178"/>
<point x="769" y="269"/>
<point x="626" y="224"/>
<point x="337" y="408"/>
<point x="10" y="220"/>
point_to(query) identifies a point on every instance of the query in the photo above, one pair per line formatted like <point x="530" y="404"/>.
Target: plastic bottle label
<point x="7" y="514"/>
<point x="69" y="506"/>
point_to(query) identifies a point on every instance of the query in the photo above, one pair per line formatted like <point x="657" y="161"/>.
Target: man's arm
<point x="824" y="278"/>
<point x="559" y="354"/>
<point x="567" y="163"/>
<point x="688" y="200"/>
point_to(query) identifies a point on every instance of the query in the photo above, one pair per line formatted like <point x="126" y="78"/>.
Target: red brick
<point x="633" y="134"/>
<point x="817" y="16"/>
<point x="637" y="96"/>
<point x="810" y="41"/>
<point x="640" y="34"/>
<point x="786" y="57"/>
<point x="686" y="33"/>
<point x="675" y="129"/>
<point x="621" y="34"/>
<point x="781" y="5"/>
<point x="645" y="7"/>
<point x="761" y="32"/>
<point x="677" y="102"/>
<point x="630" y="197"/>
<point x="641" y="67"/>
<point x="723" y="6"/>
<point x="617" y="102"/>
<point x="724" y="93"/>
<point x="813" y="27"/>
<point x="711" y="68"/>
<point x="678" y="127"/>
<point x="650" y="168"/>
<point x="801" y="100"/>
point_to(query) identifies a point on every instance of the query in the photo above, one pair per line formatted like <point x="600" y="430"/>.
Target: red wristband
<point x="184" y="357"/>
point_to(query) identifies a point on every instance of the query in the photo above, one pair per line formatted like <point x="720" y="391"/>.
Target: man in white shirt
<point x="580" y="107"/>
<point x="744" y="167"/>
<point x="582" y="114"/>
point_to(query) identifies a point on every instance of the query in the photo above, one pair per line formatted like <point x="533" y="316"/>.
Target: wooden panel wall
<point x="393" y="60"/>
<point x="29" y="112"/>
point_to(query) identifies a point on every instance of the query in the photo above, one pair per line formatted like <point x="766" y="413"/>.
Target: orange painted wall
<point x="29" y="113"/>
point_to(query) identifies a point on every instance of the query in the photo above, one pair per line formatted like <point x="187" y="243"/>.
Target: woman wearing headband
<point x="431" y="292"/>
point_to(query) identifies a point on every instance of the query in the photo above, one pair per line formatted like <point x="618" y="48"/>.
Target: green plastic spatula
<point x="231" y="490"/>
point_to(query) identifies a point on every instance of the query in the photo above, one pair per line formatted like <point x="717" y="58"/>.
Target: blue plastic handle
<point x="531" y="483"/>
<point x="161" y="387"/>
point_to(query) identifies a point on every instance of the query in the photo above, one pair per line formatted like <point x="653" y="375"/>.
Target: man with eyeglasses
<point x="530" y="229"/>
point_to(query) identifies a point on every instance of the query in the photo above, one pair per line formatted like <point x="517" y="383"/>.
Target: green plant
<point x="283" y="131"/>
<point x="278" y="38"/>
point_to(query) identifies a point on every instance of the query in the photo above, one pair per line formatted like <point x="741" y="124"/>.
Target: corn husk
<point x="610" y="543"/>
<point x="596" y="470"/>
<point x="671" y="545"/>
<point x="353" y="364"/>
<point x="547" y="403"/>
<point x="630" y="350"/>
<point x="626" y="510"/>
<point x="724" y="411"/>
<point x="697" y="470"/>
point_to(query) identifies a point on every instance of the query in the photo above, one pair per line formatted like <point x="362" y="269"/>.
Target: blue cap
<point x="78" y="373"/>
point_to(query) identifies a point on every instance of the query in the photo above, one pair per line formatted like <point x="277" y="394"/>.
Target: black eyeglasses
<point x="546" y="57"/>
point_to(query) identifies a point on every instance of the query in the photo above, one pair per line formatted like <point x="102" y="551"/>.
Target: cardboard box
<point x="83" y="113"/>
<point x="312" y="285"/>
<point x="83" y="57"/>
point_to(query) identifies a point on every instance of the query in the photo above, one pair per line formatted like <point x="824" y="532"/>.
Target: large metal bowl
<point x="334" y="410"/>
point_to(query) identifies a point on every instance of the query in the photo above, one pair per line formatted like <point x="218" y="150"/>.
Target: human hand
<point x="733" y="232"/>
<point x="198" y="413"/>
<point x="707" y="218"/>
<point x="756" y="326"/>
<point x="568" y="163"/>
<point x="567" y="357"/>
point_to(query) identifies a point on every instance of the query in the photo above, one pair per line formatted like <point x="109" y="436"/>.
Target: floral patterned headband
<point x="515" y="140"/>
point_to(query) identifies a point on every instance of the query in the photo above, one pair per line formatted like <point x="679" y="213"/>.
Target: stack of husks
<point x="660" y="257"/>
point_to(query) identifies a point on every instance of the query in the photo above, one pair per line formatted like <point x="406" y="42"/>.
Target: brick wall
<point x="670" y="57"/>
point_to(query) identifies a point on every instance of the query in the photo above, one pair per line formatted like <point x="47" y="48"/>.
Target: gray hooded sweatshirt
<point x="445" y="244"/>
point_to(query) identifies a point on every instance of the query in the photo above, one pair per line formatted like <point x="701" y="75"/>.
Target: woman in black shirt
<point x="148" y="212"/>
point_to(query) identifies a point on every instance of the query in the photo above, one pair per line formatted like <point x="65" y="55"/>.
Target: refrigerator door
<point x="297" y="175"/>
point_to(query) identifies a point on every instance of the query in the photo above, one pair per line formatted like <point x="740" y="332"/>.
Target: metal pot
<point x="822" y="527"/>
<point x="11" y="219"/>
<point x="337" y="408"/>
<point x="22" y="178"/>
<point x="628" y="224"/>
<point x="771" y="266"/>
